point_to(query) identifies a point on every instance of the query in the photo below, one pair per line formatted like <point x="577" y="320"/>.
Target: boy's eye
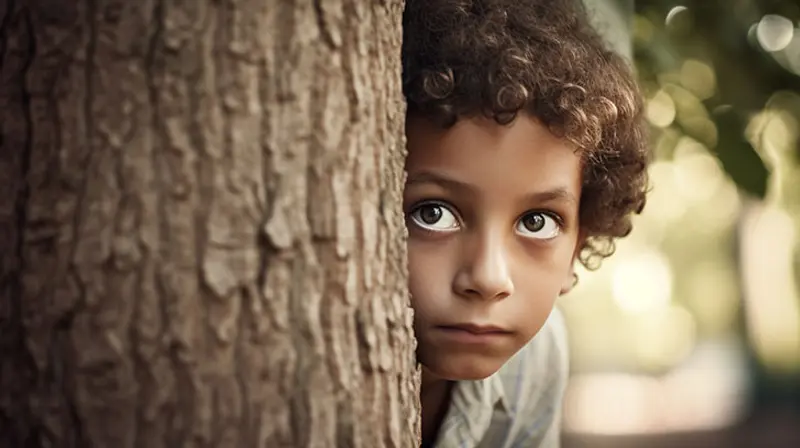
<point x="435" y="217"/>
<point x="538" y="225"/>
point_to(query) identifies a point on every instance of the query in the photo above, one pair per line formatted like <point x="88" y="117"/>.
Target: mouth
<point x="472" y="334"/>
<point x="476" y="329"/>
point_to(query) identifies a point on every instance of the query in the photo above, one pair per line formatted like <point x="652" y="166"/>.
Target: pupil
<point x="534" y="223"/>
<point x="430" y="214"/>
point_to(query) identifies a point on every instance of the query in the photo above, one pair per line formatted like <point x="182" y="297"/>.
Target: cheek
<point x="428" y="275"/>
<point x="540" y="276"/>
<point x="552" y="264"/>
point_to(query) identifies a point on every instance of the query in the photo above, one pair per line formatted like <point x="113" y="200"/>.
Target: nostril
<point x="486" y="295"/>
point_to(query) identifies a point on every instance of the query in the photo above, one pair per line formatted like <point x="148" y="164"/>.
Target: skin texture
<point x="492" y="213"/>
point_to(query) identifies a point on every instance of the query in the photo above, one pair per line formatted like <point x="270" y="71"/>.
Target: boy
<point x="527" y="151"/>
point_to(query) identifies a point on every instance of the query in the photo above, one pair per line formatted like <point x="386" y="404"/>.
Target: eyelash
<point x="438" y="202"/>
<point x="556" y="217"/>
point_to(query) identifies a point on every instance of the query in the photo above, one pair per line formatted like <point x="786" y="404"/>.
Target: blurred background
<point x="689" y="336"/>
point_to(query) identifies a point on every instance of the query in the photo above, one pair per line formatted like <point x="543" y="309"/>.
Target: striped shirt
<point x="517" y="407"/>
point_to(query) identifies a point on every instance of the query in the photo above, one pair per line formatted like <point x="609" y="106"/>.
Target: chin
<point x="462" y="371"/>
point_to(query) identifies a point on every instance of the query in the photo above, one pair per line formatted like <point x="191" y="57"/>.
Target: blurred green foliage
<point x="707" y="286"/>
<point x="726" y="73"/>
<point x="720" y="61"/>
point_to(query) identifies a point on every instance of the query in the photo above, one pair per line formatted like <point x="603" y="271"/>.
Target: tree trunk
<point x="200" y="237"/>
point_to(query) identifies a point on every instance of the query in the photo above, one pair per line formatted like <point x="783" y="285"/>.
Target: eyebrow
<point x="556" y="194"/>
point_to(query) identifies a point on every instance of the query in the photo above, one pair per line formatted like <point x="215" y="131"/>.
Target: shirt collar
<point x="472" y="405"/>
<point x="497" y="394"/>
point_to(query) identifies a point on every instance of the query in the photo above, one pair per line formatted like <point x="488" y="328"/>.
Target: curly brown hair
<point x="497" y="58"/>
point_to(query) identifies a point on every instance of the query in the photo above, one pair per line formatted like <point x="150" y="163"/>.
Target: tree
<point x="200" y="237"/>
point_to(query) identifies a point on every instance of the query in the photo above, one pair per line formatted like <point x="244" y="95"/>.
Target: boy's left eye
<point x="538" y="225"/>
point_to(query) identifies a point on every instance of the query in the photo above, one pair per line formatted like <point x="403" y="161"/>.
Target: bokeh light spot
<point x="642" y="282"/>
<point x="673" y="13"/>
<point x="774" y="32"/>
<point x="661" y="109"/>
<point x="699" y="78"/>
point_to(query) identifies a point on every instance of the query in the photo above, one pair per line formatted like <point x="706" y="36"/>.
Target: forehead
<point x="522" y="155"/>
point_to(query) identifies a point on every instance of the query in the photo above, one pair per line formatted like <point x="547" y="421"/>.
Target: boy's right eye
<point x="434" y="217"/>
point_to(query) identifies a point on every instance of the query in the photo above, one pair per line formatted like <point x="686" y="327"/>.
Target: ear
<point x="571" y="279"/>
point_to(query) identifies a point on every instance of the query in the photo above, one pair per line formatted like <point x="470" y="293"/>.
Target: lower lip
<point x="466" y="337"/>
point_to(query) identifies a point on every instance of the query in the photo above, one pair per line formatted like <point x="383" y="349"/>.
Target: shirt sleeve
<point x="539" y="418"/>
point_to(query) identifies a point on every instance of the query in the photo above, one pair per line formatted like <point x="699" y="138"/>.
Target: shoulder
<point x="535" y="378"/>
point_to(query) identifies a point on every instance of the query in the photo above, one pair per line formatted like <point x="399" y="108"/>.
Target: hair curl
<point x="498" y="58"/>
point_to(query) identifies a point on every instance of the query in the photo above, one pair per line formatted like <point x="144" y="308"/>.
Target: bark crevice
<point x="202" y="248"/>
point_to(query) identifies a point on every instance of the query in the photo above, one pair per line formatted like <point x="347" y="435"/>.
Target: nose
<point x="484" y="270"/>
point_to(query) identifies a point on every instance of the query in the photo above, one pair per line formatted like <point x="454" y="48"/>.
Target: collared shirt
<point x="520" y="405"/>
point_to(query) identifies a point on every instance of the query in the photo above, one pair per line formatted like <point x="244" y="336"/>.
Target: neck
<point x="430" y="381"/>
<point x="435" y="398"/>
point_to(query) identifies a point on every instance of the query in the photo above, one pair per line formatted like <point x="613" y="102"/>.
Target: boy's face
<point x="492" y="214"/>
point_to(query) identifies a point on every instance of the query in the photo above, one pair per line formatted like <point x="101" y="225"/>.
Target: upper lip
<point x="477" y="328"/>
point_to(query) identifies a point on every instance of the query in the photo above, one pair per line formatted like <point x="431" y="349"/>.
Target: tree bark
<point x="201" y="242"/>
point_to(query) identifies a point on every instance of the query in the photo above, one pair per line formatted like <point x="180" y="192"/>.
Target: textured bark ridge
<point x="200" y="237"/>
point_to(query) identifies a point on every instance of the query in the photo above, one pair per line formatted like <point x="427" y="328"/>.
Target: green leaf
<point x="739" y="159"/>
